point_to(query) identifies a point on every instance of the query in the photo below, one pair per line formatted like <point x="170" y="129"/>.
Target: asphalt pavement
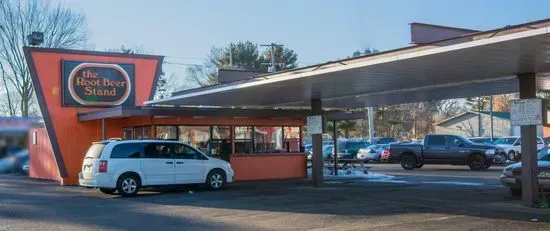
<point x="388" y="198"/>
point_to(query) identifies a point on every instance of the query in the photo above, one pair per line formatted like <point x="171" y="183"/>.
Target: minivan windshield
<point x="94" y="152"/>
<point x="506" y="141"/>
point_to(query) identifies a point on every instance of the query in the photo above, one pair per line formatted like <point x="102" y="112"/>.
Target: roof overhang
<point x="122" y="112"/>
<point x="486" y="66"/>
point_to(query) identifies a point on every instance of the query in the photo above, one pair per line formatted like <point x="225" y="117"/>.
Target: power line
<point x="182" y="64"/>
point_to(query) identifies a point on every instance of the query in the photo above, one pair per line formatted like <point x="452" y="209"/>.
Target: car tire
<point x="419" y="165"/>
<point x="477" y="162"/>
<point x="502" y="158"/>
<point x="408" y="162"/>
<point x="515" y="191"/>
<point x="512" y="155"/>
<point x="108" y="191"/>
<point x="216" y="180"/>
<point x="128" y="185"/>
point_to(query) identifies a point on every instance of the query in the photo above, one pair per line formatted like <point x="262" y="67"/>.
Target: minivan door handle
<point x="169" y="162"/>
<point x="179" y="162"/>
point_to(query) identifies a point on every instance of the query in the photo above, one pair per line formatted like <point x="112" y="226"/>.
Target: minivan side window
<point x="182" y="151"/>
<point x="158" y="151"/>
<point x="131" y="150"/>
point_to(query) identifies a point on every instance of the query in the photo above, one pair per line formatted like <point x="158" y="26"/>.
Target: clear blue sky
<point x="318" y="30"/>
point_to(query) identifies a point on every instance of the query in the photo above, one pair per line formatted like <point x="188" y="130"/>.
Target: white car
<point x="128" y="165"/>
<point x="512" y="146"/>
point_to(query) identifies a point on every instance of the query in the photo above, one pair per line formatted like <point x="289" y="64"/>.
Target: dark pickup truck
<point x="443" y="149"/>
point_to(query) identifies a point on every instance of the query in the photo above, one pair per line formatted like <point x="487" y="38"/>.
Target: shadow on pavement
<point x="39" y="201"/>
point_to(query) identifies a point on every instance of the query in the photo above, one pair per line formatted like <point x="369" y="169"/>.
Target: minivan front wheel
<point x="128" y="185"/>
<point x="215" y="180"/>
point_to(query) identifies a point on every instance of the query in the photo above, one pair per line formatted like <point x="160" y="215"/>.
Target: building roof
<point x="501" y="115"/>
<point x="482" y="63"/>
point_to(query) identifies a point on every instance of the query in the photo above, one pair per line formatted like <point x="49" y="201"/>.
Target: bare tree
<point x="10" y="110"/>
<point x="62" y="28"/>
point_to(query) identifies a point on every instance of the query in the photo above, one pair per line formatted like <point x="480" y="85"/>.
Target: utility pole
<point x="370" y="111"/>
<point x="479" y="122"/>
<point x="273" y="63"/>
<point x="231" y="55"/>
<point x="491" y="114"/>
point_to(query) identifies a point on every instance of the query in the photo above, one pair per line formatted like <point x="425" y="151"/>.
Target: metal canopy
<point x="122" y="112"/>
<point x="482" y="67"/>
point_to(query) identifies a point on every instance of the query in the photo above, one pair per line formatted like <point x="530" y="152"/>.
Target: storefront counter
<point x="269" y="166"/>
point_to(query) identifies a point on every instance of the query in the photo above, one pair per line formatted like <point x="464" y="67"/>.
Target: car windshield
<point x="506" y="141"/>
<point x="94" y="152"/>
<point x="544" y="154"/>
<point x="327" y="148"/>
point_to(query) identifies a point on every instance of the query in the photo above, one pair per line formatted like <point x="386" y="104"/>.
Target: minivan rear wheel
<point x="108" y="191"/>
<point x="215" y="180"/>
<point x="128" y="185"/>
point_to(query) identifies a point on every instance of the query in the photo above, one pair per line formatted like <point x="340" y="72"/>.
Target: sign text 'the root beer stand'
<point x="98" y="84"/>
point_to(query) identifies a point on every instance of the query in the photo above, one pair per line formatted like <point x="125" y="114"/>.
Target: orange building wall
<point x="42" y="163"/>
<point x="269" y="166"/>
<point x="73" y="137"/>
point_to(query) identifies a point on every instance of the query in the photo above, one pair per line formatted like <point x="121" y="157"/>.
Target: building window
<point x="221" y="142"/>
<point x="128" y="133"/>
<point x="167" y="132"/>
<point x="196" y="136"/>
<point x="142" y="132"/>
<point x="268" y="139"/>
<point x="292" y="139"/>
<point x="243" y="139"/>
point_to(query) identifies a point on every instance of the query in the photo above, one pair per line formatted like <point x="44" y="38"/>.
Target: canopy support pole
<point x="527" y="90"/>
<point x="317" y="143"/>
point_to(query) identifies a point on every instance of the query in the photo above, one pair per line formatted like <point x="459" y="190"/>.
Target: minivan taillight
<point x="102" y="166"/>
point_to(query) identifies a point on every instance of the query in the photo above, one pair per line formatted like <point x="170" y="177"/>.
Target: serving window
<point x="244" y="142"/>
<point x="196" y="136"/>
<point x="268" y="139"/>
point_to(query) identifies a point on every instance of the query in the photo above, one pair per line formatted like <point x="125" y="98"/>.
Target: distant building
<point x="466" y="124"/>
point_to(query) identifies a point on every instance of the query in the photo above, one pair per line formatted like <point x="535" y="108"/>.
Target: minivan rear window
<point x="94" y="152"/>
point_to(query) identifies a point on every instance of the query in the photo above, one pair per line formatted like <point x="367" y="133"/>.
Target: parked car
<point x="511" y="175"/>
<point x="328" y="151"/>
<point x="512" y="146"/>
<point x="443" y="149"/>
<point x="129" y="165"/>
<point x="349" y="149"/>
<point x="483" y="140"/>
<point x="384" y="140"/>
<point x="370" y="153"/>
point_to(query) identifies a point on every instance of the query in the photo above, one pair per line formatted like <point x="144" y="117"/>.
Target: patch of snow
<point x="389" y="181"/>
<point x="356" y="173"/>
<point x="454" y="183"/>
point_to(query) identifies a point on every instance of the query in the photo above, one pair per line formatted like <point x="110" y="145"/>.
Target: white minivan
<point x="125" y="166"/>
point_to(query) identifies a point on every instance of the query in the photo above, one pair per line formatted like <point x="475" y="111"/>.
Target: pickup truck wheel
<point x="476" y="162"/>
<point x="408" y="162"/>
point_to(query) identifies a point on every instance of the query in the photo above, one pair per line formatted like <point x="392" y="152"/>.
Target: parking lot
<point x="431" y="198"/>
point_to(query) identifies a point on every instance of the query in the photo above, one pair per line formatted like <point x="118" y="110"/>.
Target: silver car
<point x="371" y="153"/>
<point x="511" y="176"/>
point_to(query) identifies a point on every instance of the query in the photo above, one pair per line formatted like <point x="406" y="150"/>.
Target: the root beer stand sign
<point x="98" y="84"/>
